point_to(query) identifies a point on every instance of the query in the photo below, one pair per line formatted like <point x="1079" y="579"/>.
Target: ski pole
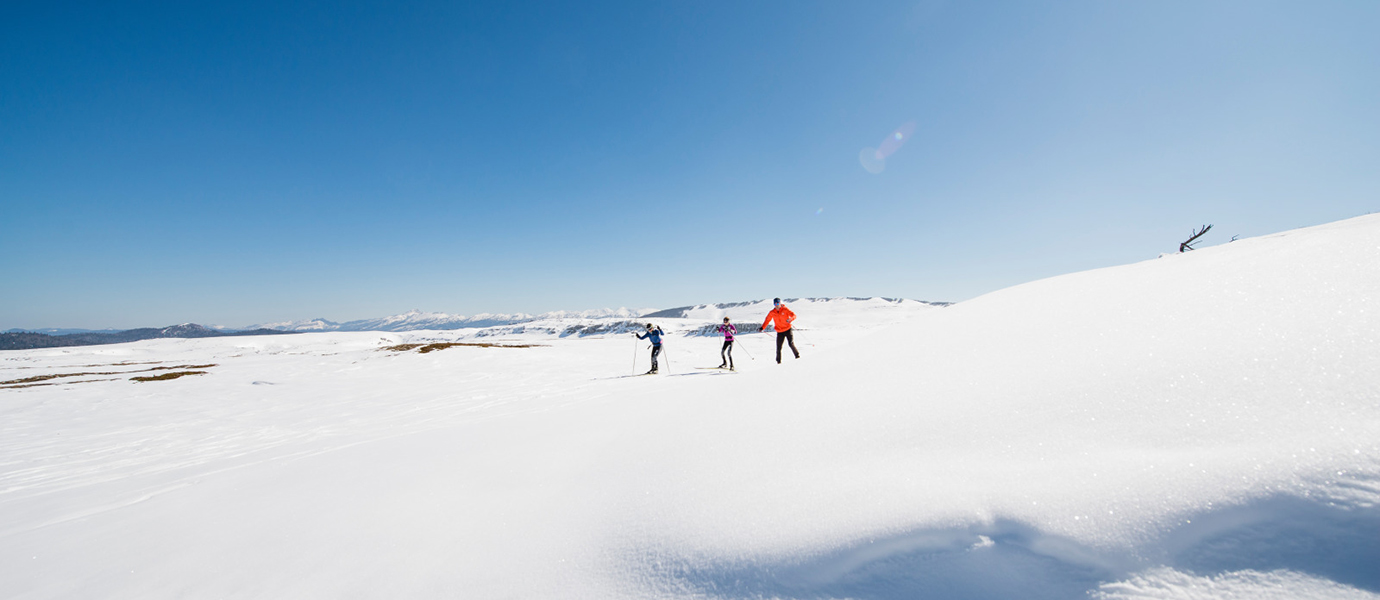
<point x="666" y="355"/>
<point x="735" y="343"/>
<point x="634" y="371"/>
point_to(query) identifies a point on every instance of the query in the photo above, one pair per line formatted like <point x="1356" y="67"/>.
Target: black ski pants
<point x="785" y="336"/>
<point x="726" y="353"/>
<point x="656" y="349"/>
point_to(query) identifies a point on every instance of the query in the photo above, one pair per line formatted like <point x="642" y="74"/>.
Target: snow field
<point x="1201" y="425"/>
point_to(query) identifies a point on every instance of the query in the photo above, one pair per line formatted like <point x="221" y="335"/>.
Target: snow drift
<point x="1201" y="425"/>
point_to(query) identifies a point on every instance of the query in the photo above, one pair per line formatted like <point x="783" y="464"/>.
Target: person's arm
<point x="765" y="321"/>
<point x="790" y="316"/>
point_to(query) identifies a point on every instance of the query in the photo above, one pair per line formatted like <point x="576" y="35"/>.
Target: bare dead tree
<point x="1188" y="243"/>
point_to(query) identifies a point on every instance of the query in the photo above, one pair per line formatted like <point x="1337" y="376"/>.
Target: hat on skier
<point x="649" y="326"/>
<point x="725" y="319"/>
<point x="776" y="301"/>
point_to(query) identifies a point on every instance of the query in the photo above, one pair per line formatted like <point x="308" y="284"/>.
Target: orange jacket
<point x="781" y="317"/>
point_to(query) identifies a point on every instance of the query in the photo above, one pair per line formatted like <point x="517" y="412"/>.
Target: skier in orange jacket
<point x="781" y="318"/>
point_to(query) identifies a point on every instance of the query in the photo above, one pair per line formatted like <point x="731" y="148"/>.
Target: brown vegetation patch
<point x="37" y="378"/>
<point x="167" y="376"/>
<point x="31" y="381"/>
<point x="29" y="385"/>
<point x="443" y="345"/>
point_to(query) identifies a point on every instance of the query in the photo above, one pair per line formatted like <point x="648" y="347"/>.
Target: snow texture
<point x="1201" y="425"/>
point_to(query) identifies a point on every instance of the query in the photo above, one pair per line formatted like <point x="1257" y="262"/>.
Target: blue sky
<point x="249" y="162"/>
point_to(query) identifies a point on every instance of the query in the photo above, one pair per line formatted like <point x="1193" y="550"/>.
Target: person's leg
<point x="730" y="355"/>
<point x="780" y="337"/>
<point x="790" y="338"/>
<point x="656" y="349"/>
<point x="723" y="354"/>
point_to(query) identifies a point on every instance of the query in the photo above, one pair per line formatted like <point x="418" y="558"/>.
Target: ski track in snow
<point x="1092" y="435"/>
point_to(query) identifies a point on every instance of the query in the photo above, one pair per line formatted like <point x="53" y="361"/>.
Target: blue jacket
<point x="655" y="334"/>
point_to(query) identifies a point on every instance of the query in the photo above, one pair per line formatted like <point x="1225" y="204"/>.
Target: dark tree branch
<point x="1188" y="243"/>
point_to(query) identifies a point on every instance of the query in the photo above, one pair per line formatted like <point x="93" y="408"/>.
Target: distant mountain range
<point x="23" y="340"/>
<point x="18" y="339"/>
<point x="416" y="319"/>
<point x="61" y="331"/>
<point x="562" y="323"/>
<point x="702" y="310"/>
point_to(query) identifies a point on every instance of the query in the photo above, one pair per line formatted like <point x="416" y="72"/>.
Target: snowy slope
<point x="1201" y="425"/>
<point x="839" y="318"/>
<point x="418" y="320"/>
<point x="747" y="311"/>
<point x="831" y="313"/>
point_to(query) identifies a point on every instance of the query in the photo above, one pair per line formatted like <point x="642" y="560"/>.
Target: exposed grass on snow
<point x="29" y="385"/>
<point x="30" y="381"/>
<point x="425" y="348"/>
<point x="167" y="376"/>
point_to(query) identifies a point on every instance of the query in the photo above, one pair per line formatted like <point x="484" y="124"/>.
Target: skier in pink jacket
<point x="726" y="353"/>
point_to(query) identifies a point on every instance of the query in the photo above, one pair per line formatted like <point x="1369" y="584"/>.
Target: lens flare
<point x="894" y="141"/>
<point x="873" y="160"/>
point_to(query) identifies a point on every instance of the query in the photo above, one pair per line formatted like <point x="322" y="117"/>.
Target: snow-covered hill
<point x="747" y="311"/>
<point x="833" y="311"/>
<point x="417" y="320"/>
<point x="1202" y="425"/>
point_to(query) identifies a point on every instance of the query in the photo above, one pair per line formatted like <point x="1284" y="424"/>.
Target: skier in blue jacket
<point x="655" y="334"/>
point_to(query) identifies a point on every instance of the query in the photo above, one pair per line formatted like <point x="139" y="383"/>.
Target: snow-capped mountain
<point x="306" y="325"/>
<point x="697" y="320"/>
<point x="417" y="320"/>
<point x="729" y="309"/>
<point x="852" y="315"/>
<point x="409" y="321"/>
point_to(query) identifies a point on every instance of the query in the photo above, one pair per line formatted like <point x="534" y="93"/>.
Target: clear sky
<point x="239" y="162"/>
